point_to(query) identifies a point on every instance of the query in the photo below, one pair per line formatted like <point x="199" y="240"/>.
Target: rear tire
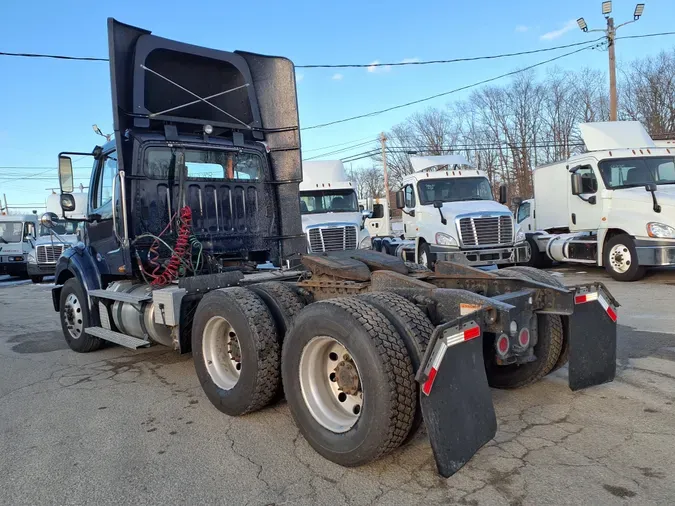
<point x="548" y="349"/>
<point x="385" y="381"/>
<point x="236" y="350"/>
<point x="620" y="259"/>
<point x="282" y="301"/>
<point x="413" y="326"/>
<point x="538" y="259"/>
<point x="75" y="318"/>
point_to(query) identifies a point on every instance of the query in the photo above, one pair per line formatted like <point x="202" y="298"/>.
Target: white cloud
<point x="299" y="77"/>
<point x="337" y="77"/>
<point x="522" y="28"/>
<point x="376" y="67"/>
<point x="570" y="25"/>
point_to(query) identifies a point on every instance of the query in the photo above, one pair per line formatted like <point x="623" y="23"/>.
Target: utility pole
<point x="610" y="33"/>
<point x="383" y="141"/>
<point x="5" y="199"/>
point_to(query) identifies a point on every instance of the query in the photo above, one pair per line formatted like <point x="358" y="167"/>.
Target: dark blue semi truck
<point x="193" y="240"/>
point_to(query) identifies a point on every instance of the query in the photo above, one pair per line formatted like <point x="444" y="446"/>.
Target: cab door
<point x="409" y="224"/>
<point x="104" y="227"/>
<point x="586" y="208"/>
<point x="524" y="216"/>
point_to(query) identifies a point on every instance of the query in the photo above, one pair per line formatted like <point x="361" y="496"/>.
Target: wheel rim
<point x="331" y="384"/>
<point x="72" y="316"/>
<point x="222" y="352"/>
<point x="423" y="259"/>
<point x="620" y="258"/>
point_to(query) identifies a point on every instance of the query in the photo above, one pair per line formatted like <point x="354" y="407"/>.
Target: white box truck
<point x="331" y="218"/>
<point x="449" y="214"/>
<point x="613" y="206"/>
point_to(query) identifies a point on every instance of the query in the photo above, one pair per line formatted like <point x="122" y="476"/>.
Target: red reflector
<point x="426" y="388"/>
<point x="612" y="314"/>
<point x="471" y="333"/>
<point x="503" y="344"/>
<point x="579" y="299"/>
<point x="524" y="338"/>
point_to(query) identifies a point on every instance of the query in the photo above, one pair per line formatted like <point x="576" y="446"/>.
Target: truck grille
<point x="486" y="231"/>
<point x="332" y="239"/>
<point x="49" y="254"/>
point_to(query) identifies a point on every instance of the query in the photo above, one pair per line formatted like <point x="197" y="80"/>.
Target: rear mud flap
<point x="591" y="334"/>
<point x="456" y="399"/>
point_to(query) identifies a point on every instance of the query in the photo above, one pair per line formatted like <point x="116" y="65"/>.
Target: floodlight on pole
<point x="582" y="24"/>
<point x="606" y="8"/>
<point x="639" y="9"/>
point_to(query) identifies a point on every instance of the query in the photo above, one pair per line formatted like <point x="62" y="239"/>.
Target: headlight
<point x="520" y="235"/>
<point x="660" y="230"/>
<point x="365" y="243"/>
<point x="31" y="258"/>
<point x="445" y="239"/>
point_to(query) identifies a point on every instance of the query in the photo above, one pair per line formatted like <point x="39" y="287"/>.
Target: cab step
<point x="117" y="337"/>
<point x="120" y="296"/>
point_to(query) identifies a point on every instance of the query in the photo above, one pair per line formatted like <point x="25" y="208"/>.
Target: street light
<point x="639" y="8"/>
<point x="606" y="8"/>
<point x="610" y="33"/>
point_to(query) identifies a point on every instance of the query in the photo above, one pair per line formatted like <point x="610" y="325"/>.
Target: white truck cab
<point x="331" y="218"/>
<point x="449" y="211"/>
<point x="613" y="206"/>
<point x="51" y="242"/>
<point x="17" y="239"/>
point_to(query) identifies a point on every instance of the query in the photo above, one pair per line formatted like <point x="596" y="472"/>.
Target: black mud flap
<point x="455" y="398"/>
<point x="591" y="334"/>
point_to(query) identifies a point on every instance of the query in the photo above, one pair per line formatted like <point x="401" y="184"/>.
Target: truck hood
<point x="47" y="241"/>
<point x="329" y="219"/>
<point x="665" y="195"/>
<point x="452" y="209"/>
<point x="11" y="249"/>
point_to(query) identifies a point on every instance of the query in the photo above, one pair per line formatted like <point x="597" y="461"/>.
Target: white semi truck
<point x="51" y="242"/>
<point x="331" y="218"/>
<point x="17" y="239"/>
<point x="613" y="206"/>
<point x="449" y="214"/>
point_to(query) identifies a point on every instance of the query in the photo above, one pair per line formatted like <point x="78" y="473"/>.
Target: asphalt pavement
<point x="133" y="427"/>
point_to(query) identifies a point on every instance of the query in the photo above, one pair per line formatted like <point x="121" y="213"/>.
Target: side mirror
<point x="47" y="220"/>
<point x="503" y="194"/>
<point x="66" y="174"/>
<point x="28" y="238"/>
<point x="438" y="204"/>
<point x="577" y="184"/>
<point x="516" y="201"/>
<point x="400" y="199"/>
<point x="67" y="203"/>
<point x="650" y="187"/>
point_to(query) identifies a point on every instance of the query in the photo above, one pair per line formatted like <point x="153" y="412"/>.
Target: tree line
<point x="508" y="130"/>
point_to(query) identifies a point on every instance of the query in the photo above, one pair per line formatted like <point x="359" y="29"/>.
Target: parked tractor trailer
<point x="193" y="240"/>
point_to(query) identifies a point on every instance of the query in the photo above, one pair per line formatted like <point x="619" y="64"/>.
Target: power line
<point x="434" y="62"/>
<point x="456" y="90"/>
<point x="340" y="144"/>
<point x="645" y="35"/>
<point x="52" y="56"/>
<point x="349" y="148"/>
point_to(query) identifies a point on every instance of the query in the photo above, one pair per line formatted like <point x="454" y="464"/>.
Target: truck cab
<point x="17" y="239"/>
<point x="331" y="215"/>
<point x="613" y="206"/>
<point x="449" y="211"/>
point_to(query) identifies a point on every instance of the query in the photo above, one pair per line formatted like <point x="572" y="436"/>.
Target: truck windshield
<point x="628" y="172"/>
<point x="61" y="228"/>
<point x="328" y="201"/>
<point x="454" y="190"/>
<point x="10" y="231"/>
<point x="204" y="164"/>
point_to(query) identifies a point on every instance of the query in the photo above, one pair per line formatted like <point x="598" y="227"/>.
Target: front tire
<point x="348" y="380"/>
<point x="36" y="279"/>
<point x="236" y="352"/>
<point x="620" y="259"/>
<point x="75" y="318"/>
<point x="425" y="257"/>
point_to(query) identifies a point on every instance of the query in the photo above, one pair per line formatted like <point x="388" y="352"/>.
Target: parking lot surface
<point x="133" y="427"/>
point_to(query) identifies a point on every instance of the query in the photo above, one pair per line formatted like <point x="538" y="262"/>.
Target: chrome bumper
<point x="493" y="256"/>
<point x="655" y="253"/>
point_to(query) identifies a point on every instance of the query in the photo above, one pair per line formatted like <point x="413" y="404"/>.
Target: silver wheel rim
<point x="72" y="316"/>
<point x="620" y="258"/>
<point x="331" y="384"/>
<point x="222" y="353"/>
<point x="423" y="259"/>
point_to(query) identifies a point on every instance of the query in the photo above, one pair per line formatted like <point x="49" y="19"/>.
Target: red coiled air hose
<point x="180" y="251"/>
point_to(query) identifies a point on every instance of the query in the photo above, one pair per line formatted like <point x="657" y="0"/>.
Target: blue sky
<point x="47" y="106"/>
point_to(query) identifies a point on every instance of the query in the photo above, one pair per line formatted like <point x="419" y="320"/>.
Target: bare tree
<point x="369" y="182"/>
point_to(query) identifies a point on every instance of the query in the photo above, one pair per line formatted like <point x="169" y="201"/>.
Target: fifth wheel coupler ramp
<point x="591" y="334"/>
<point x="456" y="400"/>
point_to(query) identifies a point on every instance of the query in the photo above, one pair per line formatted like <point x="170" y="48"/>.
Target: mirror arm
<point x="443" y="220"/>
<point x="656" y="206"/>
<point x="591" y="200"/>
